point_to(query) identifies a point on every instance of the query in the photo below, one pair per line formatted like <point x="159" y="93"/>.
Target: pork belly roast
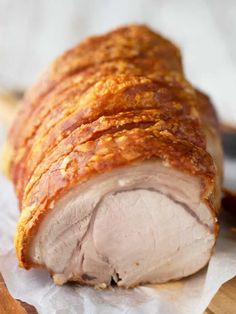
<point x="117" y="164"/>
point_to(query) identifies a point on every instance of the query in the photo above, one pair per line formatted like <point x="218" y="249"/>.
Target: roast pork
<point x="117" y="164"/>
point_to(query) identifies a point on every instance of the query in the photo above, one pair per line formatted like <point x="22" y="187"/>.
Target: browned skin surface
<point x="124" y="44"/>
<point x="111" y="101"/>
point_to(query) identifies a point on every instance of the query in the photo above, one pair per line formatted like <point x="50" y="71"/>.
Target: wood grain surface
<point x="224" y="301"/>
<point x="8" y="305"/>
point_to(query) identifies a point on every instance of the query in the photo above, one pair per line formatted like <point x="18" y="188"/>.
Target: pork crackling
<point x="117" y="164"/>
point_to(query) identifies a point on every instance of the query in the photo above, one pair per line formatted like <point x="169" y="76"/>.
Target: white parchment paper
<point x="191" y="295"/>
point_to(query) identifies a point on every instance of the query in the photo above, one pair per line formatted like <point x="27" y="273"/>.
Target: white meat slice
<point x="139" y="224"/>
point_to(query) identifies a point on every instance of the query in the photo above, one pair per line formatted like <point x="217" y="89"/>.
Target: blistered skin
<point x="115" y="100"/>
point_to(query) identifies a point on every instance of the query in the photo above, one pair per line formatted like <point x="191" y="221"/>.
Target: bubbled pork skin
<point x="117" y="164"/>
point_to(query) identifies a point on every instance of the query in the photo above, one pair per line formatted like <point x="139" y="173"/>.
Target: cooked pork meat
<point x="129" y="224"/>
<point x="117" y="164"/>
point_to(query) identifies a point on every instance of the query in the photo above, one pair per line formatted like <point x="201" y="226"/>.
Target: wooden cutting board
<point x="223" y="303"/>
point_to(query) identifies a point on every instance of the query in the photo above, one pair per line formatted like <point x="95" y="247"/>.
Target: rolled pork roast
<point x="117" y="164"/>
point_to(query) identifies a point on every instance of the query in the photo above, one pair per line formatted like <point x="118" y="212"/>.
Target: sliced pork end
<point x="138" y="224"/>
